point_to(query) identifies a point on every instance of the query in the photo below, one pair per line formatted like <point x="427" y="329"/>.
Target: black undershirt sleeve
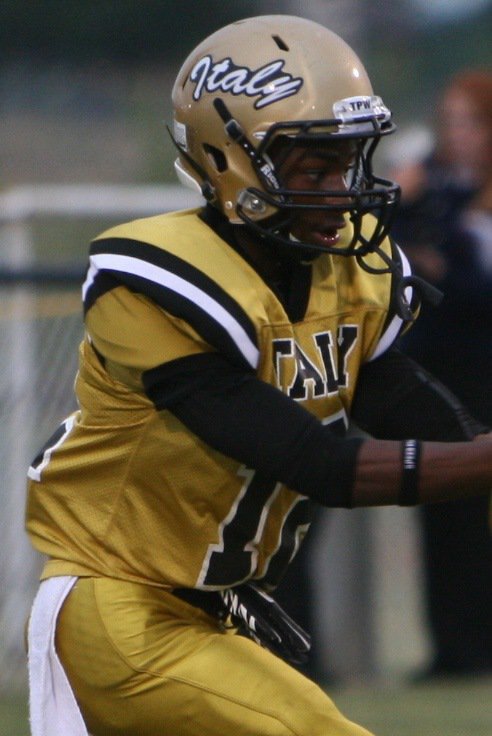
<point x="397" y="399"/>
<point x="247" y="419"/>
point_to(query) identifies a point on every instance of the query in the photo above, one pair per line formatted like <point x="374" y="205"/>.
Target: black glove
<point x="257" y="616"/>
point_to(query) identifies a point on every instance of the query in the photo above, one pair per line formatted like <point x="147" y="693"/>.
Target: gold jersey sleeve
<point x="126" y="491"/>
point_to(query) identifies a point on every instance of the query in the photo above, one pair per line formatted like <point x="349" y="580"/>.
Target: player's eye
<point x="316" y="175"/>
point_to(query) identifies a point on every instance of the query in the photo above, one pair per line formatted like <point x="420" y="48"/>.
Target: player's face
<point x="322" y="169"/>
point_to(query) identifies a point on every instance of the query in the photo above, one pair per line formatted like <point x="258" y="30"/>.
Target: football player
<point x="226" y="350"/>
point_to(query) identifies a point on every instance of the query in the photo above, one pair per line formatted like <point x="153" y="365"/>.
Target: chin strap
<point x="426" y="291"/>
<point x="235" y="132"/>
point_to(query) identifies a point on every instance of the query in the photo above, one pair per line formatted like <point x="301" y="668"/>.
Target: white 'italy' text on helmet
<point x="270" y="78"/>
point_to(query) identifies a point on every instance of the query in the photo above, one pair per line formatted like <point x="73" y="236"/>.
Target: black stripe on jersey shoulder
<point x="395" y="281"/>
<point x="103" y="283"/>
<point x="172" y="301"/>
<point x="157" y="257"/>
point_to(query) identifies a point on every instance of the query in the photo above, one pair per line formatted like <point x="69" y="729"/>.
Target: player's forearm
<point x="281" y="440"/>
<point x="446" y="471"/>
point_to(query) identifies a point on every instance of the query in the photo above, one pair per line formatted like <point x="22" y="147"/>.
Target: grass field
<point x="455" y="708"/>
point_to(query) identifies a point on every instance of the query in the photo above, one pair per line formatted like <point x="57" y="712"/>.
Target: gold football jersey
<point x="127" y="491"/>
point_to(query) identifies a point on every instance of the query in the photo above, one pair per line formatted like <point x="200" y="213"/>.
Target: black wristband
<point x="410" y="461"/>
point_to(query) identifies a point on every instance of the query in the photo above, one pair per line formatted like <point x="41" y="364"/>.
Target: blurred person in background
<point x="445" y="227"/>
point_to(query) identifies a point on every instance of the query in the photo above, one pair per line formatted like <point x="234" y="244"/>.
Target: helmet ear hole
<point x="216" y="157"/>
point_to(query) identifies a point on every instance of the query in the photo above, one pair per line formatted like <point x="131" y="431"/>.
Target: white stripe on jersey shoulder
<point x="129" y="264"/>
<point x="393" y="330"/>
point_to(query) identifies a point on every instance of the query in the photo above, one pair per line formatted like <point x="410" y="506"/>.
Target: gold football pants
<point x="142" y="662"/>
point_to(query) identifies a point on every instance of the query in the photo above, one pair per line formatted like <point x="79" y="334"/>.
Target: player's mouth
<point x="326" y="235"/>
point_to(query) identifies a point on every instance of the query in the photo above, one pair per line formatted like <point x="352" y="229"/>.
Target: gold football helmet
<point x="278" y="78"/>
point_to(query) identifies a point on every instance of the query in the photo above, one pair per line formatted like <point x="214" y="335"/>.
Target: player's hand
<point x="257" y="616"/>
